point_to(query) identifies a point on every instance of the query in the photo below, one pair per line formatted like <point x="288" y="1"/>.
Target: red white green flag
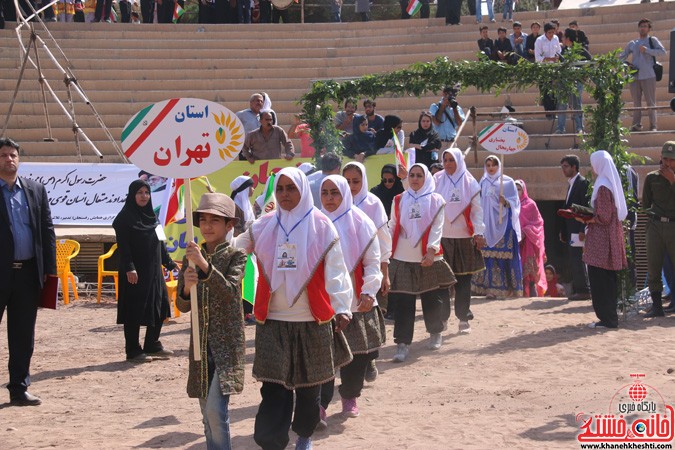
<point x="400" y="156"/>
<point x="177" y="12"/>
<point x="413" y="7"/>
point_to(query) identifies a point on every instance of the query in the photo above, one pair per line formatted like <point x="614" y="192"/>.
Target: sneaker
<point x="323" y="424"/>
<point x="636" y="127"/>
<point x="653" y="129"/>
<point x="249" y="319"/>
<point x="161" y="354"/>
<point x="435" y="341"/>
<point x="303" y="443"/>
<point x="596" y="325"/>
<point x="401" y="353"/>
<point x="580" y="131"/>
<point x="349" y="408"/>
<point x="371" y="372"/>
<point x="140" y="358"/>
<point x="464" y="327"/>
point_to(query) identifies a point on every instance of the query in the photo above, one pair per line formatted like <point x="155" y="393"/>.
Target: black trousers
<point x="352" y="376"/>
<point x="125" y="12"/>
<point x="432" y="308"/>
<point x="148" y="10"/>
<point x="276" y="410"/>
<point x="453" y="12"/>
<point x="462" y="298"/>
<point x="20" y="298"/>
<point x="604" y="292"/>
<point x="579" y="272"/>
<point x="103" y="10"/>
<point x="151" y="343"/>
<point x="279" y="14"/>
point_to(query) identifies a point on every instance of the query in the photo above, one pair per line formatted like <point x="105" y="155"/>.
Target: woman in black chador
<point x="143" y="298"/>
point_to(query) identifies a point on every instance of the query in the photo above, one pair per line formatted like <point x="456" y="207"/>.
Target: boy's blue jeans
<point x="216" y="417"/>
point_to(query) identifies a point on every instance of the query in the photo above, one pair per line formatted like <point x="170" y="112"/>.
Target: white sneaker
<point x="435" y="341"/>
<point x="464" y="327"/>
<point x="401" y="353"/>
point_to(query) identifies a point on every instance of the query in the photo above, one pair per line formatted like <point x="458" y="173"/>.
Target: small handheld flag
<point x="400" y="157"/>
<point x="177" y="13"/>
<point x="413" y="7"/>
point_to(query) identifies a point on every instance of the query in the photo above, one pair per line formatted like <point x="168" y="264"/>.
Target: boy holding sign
<point x="217" y="275"/>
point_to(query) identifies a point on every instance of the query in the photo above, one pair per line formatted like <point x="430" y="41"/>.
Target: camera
<point x="453" y="101"/>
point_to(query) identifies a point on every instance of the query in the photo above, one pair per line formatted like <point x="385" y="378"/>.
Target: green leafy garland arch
<point x="604" y="78"/>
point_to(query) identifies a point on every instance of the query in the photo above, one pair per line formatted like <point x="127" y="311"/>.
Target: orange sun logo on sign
<point x="221" y="135"/>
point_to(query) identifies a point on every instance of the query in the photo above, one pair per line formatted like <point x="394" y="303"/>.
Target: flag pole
<point x="194" y="307"/>
<point x="501" y="189"/>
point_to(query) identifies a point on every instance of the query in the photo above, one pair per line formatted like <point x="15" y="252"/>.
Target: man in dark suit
<point x="572" y="232"/>
<point x="27" y="257"/>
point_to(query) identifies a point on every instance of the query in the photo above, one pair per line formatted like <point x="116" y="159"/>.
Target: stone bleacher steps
<point x="124" y="67"/>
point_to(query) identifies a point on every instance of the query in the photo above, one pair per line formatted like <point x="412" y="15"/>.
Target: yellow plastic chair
<point x="106" y="273"/>
<point x="171" y="287"/>
<point x="66" y="250"/>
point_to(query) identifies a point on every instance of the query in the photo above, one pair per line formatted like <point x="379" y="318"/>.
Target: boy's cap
<point x="217" y="204"/>
<point x="668" y="150"/>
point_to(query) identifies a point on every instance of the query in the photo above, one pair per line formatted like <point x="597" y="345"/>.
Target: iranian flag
<point x="250" y="281"/>
<point x="400" y="156"/>
<point x="413" y="7"/>
<point x="173" y="207"/>
<point x="177" y="12"/>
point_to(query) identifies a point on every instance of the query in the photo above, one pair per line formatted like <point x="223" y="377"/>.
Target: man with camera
<point x="447" y="115"/>
<point x="645" y="49"/>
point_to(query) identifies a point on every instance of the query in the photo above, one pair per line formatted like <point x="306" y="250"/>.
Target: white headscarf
<point x="242" y="198"/>
<point x="307" y="168"/>
<point x="429" y="203"/>
<point x="366" y="200"/>
<point x="312" y="233"/>
<point x="354" y="227"/>
<point x="489" y="185"/>
<point x="608" y="176"/>
<point x="457" y="189"/>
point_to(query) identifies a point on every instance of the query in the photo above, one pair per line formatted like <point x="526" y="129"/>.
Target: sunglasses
<point x="388" y="180"/>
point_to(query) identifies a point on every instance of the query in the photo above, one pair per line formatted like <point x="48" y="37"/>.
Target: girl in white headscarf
<point x="604" y="246"/>
<point x="302" y="304"/>
<point x="361" y="250"/>
<point x="462" y="231"/>
<point x="503" y="275"/>
<point x="369" y="203"/>
<point x="242" y="190"/>
<point x="417" y="266"/>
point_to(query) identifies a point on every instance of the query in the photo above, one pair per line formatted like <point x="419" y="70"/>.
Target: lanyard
<point x="341" y="215"/>
<point x="294" y="226"/>
<point x="458" y="180"/>
<point x="417" y="198"/>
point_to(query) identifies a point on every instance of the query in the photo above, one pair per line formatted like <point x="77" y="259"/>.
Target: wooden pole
<point x="475" y="135"/>
<point x="501" y="189"/>
<point x="194" y="307"/>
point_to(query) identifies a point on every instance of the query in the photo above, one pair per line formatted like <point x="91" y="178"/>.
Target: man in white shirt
<point x="547" y="50"/>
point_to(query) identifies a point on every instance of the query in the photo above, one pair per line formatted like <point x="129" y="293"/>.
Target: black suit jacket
<point x="44" y="240"/>
<point x="578" y="196"/>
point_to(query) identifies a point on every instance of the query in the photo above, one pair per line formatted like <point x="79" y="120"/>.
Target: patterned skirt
<point x="365" y="332"/>
<point x="503" y="275"/>
<point x="298" y="354"/>
<point x="412" y="278"/>
<point x="462" y="255"/>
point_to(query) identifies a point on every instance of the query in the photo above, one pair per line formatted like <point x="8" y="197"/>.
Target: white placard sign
<point x="183" y="137"/>
<point x="503" y="139"/>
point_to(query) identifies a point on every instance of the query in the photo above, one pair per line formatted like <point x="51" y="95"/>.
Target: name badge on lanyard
<point x="286" y="257"/>
<point x="454" y="196"/>
<point x="415" y="212"/>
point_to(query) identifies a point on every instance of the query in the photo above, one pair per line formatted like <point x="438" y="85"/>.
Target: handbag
<point x="658" y="68"/>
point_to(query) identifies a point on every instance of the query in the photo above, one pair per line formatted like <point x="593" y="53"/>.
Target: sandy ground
<point x="516" y="382"/>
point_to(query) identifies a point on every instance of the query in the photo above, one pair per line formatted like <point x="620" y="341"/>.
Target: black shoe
<point x="580" y="296"/>
<point x="655" y="312"/>
<point x="25" y="399"/>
